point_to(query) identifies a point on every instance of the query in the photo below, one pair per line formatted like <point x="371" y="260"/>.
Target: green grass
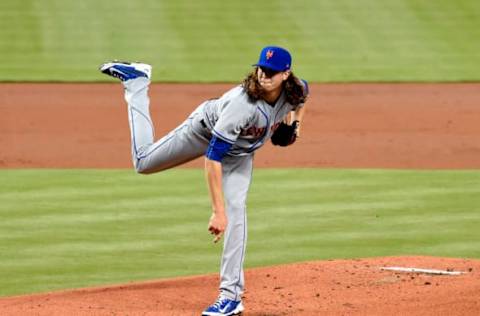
<point x="75" y="228"/>
<point x="216" y="40"/>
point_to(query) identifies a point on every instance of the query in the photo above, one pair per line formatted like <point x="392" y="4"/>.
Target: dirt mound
<point x="334" y="287"/>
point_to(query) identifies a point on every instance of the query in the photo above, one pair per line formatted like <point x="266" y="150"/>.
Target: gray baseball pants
<point x="185" y="143"/>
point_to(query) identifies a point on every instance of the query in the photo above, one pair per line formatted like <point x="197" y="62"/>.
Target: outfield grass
<point x="216" y="40"/>
<point x="75" y="228"/>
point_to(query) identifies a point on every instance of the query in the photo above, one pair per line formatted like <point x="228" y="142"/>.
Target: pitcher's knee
<point x="238" y="206"/>
<point x="142" y="168"/>
<point x="143" y="171"/>
<point x="236" y="215"/>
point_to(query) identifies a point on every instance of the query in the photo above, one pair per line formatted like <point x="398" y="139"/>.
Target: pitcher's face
<point x="271" y="80"/>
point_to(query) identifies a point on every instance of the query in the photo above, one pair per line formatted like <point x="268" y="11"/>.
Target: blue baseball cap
<point x="275" y="58"/>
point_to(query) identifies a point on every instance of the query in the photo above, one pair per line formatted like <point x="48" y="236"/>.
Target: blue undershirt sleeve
<point x="217" y="149"/>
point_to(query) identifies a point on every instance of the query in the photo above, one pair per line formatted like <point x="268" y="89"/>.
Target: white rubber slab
<point x="426" y="271"/>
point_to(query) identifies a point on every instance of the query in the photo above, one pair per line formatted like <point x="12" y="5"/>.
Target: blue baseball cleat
<point x="126" y="71"/>
<point x="224" y="307"/>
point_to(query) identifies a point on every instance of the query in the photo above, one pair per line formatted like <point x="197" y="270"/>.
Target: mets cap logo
<point x="269" y="54"/>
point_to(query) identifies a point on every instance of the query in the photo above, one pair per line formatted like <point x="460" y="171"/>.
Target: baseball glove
<point x="285" y="134"/>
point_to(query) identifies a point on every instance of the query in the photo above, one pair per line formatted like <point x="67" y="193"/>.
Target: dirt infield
<point x="335" y="287"/>
<point x="356" y="126"/>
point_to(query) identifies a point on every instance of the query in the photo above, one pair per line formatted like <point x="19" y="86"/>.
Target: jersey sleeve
<point x="232" y="118"/>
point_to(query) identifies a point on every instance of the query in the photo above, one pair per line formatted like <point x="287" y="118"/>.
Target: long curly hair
<point x="293" y="87"/>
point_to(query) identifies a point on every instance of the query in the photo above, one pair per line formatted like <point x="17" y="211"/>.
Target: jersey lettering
<point x="253" y="131"/>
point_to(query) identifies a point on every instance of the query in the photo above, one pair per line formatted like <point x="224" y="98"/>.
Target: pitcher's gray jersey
<point x="245" y="124"/>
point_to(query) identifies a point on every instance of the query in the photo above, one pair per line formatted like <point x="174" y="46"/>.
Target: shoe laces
<point x="117" y="75"/>
<point x="220" y="302"/>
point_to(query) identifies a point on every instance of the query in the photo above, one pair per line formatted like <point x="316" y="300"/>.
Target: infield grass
<point x="217" y="41"/>
<point x="75" y="228"/>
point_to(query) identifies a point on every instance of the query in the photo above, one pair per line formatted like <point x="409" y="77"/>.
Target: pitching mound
<point x="334" y="287"/>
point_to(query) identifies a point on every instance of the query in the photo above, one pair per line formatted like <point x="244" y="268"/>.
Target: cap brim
<point x="269" y="67"/>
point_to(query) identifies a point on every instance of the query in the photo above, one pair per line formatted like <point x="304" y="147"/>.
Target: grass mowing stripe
<point x="214" y="40"/>
<point x="375" y="213"/>
<point x="71" y="228"/>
